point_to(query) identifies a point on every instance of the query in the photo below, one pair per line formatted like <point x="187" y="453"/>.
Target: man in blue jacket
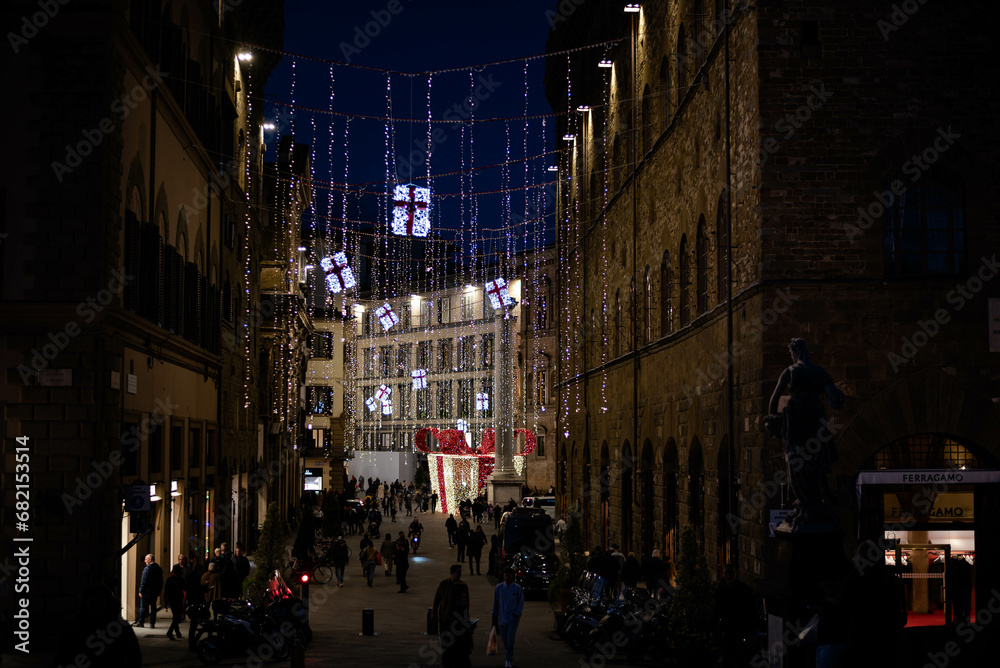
<point x="508" y="604"/>
<point x="150" y="587"/>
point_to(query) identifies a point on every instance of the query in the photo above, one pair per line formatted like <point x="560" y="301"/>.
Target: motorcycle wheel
<point x="323" y="574"/>
<point x="578" y="636"/>
<point x="209" y="653"/>
<point x="303" y="634"/>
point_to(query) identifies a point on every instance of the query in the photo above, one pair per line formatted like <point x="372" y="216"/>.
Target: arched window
<point x="618" y="322"/>
<point x="666" y="294"/>
<point x="723" y="248"/>
<point x="682" y="64"/>
<point x="925" y="230"/>
<point x="685" y="281"/>
<point x="665" y="91"/>
<point x="702" y="262"/>
<point x="647" y="310"/>
<point x="647" y="120"/>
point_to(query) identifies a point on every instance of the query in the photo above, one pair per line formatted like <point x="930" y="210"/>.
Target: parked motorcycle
<point x="237" y="632"/>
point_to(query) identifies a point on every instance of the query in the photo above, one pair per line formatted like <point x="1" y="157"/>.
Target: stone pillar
<point x="504" y="483"/>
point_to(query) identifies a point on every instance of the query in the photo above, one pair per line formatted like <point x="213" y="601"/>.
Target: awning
<point x="924" y="477"/>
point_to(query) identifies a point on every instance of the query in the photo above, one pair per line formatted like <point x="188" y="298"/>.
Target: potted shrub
<point x="572" y="563"/>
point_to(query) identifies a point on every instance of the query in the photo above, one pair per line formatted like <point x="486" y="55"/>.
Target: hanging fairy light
<point x="411" y="207"/>
<point x="338" y="274"/>
<point x="498" y="293"/>
<point x="386" y="316"/>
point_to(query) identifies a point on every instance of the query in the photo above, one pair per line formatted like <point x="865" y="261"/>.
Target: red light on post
<point x="304" y="578"/>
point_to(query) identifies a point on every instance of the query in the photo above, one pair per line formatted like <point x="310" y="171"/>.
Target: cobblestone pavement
<point x="400" y="619"/>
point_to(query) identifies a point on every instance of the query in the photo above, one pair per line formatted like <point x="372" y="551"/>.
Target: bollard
<point x="431" y="625"/>
<point x="298" y="656"/>
<point x="368" y="622"/>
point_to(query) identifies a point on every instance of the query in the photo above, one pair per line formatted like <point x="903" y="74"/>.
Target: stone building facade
<point x="711" y="208"/>
<point x="131" y="262"/>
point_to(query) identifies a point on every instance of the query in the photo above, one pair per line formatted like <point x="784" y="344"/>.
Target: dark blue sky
<point x="422" y="36"/>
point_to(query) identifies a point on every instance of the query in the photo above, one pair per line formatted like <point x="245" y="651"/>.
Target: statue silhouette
<point x="806" y="435"/>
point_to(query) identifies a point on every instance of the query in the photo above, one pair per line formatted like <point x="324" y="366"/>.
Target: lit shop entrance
<point x="930" y="504"/>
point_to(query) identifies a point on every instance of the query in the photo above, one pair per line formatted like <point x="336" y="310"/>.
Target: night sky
<point x="421" y="36"/>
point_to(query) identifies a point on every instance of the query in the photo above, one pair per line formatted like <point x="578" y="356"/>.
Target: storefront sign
<point x="945" y="507"/>
<point x="940" y="479"/>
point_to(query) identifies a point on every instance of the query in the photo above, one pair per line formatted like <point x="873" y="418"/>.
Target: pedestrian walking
<point x="434" y="502"/>
<point x="174" y="594"/>
<point x="474" y="547"/>
<point x="450" y="615"/>
<point x="462" y="538"/>
<point x="150" y="586"/>
<point x="452" y="526"/>
<point x="211" y="584"/>
<point x="341" y="555"/>
<point x="241" y="568"/>
<point x="508" y="604"/>
<point x="387" y="550"/>
<point x="368" y="563"/>
<point x="402" y="558"/>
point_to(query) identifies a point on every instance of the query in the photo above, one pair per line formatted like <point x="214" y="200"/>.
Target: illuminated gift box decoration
<point x="498" y="293"/>
<point x="338" y="275"/>
<point x="371" y="404"/>
<point x="383" y="393"/>
<point x="482" y="401"/>
<point x="386" y="316"/>
<point x="459" y="472"/>
<point x="411" y="208"/>
<point x="386" y="407"/>
<point x="419" y="379"/>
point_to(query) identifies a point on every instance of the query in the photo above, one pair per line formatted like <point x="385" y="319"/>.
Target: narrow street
<point x="400" y="619"/>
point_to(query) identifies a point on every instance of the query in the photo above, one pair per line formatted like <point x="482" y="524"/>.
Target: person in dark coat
<point x="653" y="572"/>
<point x="452" y="526"/>
<point x="150" y="586"/>
<point x="462" y="538"/>
<point x="98" y="616"/>
<point x="474" y="547"/>
<point x="402" y="561"/>
<point x="631" y="571"/>
<point x="494" y="557"/>
<point x="173" y="593"/>
<point x="241" y="568"/>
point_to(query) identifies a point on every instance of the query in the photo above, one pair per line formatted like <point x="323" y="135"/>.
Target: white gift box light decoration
<point x="463" y="425"/>
<point x="386" y="316"/>
<point x="411" y="207"/>
<point x="371" y="404"/>
<point x="498" y="293"/>
<point x="386" y="407"/>
<point x="339" y="276"/>
<point x="419" y="379"/>
<point x="383" y="393"/>
<point x="482" y="401"/>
